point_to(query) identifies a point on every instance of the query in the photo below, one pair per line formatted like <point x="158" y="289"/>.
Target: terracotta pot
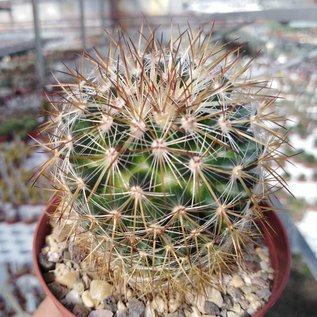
<point x="275" y="238"/>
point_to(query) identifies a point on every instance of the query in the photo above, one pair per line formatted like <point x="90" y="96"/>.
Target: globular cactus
<point x="161" y="156"/>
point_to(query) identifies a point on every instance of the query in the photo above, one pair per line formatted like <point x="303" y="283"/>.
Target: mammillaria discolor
<point x="161" y="156"/>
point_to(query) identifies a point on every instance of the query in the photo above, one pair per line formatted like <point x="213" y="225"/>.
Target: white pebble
<point x="53" y="256"/>
<point x="121" y="306"/>
<point x="236" y="281"/>
<point x="214" y="296"/>
<point x="88" y="302"/>
<point x="263" y="253"/>
<point x="99" y="290"/>
<point x="73" y="297"/>
<point x="101" y="313"/>
<point x="251" y="298"/>
<point x="65" y="276"/>
<point x="247" y="280"/>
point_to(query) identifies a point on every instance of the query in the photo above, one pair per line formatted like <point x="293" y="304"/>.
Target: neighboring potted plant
<point x="14" y="127"/>
<point x="163" y="158"/>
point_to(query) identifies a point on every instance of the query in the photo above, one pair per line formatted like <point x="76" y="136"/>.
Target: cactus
<point x="161" y="156"/>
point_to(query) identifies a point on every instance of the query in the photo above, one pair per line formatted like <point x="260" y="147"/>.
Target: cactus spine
<point x="161" y="156"/>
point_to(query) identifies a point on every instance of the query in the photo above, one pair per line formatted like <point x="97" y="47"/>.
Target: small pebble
<point x="68" y="279"/>
<point x="256" y="305"/>
<point x="110" y="303"/>
<point x="259" y="282"/>
<point x="135" y="308"/>
<point x="227" y="300"/>
<point x="246" y="289"/>
<point x="263" y="253"/>
<point x="101" y="313"/>
<point x="129" y="293"/>
<point x="53" y="256"/>
<point x="50" y="240"/>
<point x="121" y="306"/>
<point x="226" y="278"/>
<point x="247" y="280"/>
<point x="99" y="290"/>
<point x="235" y="293"/>
<point x="263" y="293"/>
<point x="45" y="264"/>
<point x="73" y="297"/>
<point x="237" y="309"/>
<point x="65" y="276"/>
<point x="88" y="301"/>
<point x="250" y="297"/>
<point x="223" y="313"/>
<point x="45" y="250"/>
<point x="214" y="296"/>
<point x="251" y="311"/>
<point x="211" y="308"/>
<point x="236" y="281"/>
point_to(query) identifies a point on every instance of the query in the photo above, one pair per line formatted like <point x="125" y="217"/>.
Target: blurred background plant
<point x="38" y="37"/>
<point x="17" y="163"/>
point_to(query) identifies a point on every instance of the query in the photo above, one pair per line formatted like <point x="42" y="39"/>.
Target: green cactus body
<point x="162" y="155"/>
